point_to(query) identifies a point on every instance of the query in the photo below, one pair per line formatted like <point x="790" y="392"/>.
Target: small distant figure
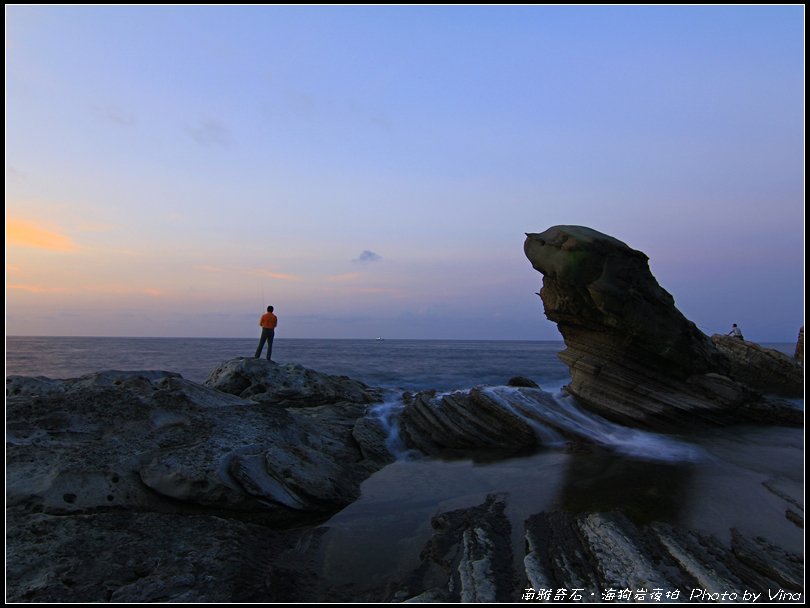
<point x="268" y="323"/>
<point x="735" y="332"/>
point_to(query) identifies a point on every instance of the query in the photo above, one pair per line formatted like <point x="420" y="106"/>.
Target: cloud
<point x="251" y="272"/>
<point x="270" y="274"/>
<point x="37" y="288"/>
<point x="13" y="174"/>
<point x="342" y="278"/>
<point x="116" y="115"/>
<point x="96" y="227"/>
<point x="378" y="290"/>
<point x="210" y="132"/>
<point x="26" y="233"/>
<point x="366" y="257"/>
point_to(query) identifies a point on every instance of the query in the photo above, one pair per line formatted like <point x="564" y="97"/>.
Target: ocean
<point x="396" y="364"/>
<point x="710" y="480"/>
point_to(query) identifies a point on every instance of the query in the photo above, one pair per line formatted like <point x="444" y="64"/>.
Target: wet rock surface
<point x="582" y="557"/>
<point x="464" y="422"/>
<point x="633" y="356"/>
<point x="596" y="552"/>
<point x="468" y="559"/>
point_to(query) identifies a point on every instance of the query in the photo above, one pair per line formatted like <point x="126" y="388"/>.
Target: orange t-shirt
<point x="268" y="320"/>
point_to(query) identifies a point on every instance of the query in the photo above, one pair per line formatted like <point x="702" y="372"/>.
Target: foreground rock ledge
<point x="155" y="441"/>
<point x="633" y="356"/>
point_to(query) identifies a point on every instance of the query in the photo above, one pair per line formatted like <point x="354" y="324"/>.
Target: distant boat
<point x="379" y="338"/>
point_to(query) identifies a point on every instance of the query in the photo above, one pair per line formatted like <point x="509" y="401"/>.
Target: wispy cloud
<point x="367" y="257"/>
<point x="116" y="115"/>
<point x="13" y="174"/>
<point x="343" y="278"/>
<point x="27" y="233"/>
<point x="95" y="227"/>
<point x="36" y="288"/>
<point x="208" y="268"/>
<point x="269" y="274"/>
<point x="210" y="132"/>
<point x="378" y="290"/>
<point x="264" y="273"/>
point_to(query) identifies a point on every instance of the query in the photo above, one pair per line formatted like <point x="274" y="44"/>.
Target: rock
<point x="147" y="556"/>
<point x="143" y="486"/>
<point x="470" y="550"/>
<point x="463" y="424"/>
<point x="769" y="561"/>
<point x="762" y="369"/>
<point x="587" y="556"/>
<point x="633" y="356"/>
<point x="799" y="352"/>
<point x="794" y="518"/>
<point x="289" y="385"/>
<point x="599" y="552"/>
<point x="522" y="381"/>
<point x="133" y="439"/>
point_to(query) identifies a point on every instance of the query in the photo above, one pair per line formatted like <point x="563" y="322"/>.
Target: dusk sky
<point x="371" y="171"/>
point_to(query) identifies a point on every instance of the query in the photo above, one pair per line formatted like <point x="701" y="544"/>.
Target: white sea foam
<point x="561" y="412"/>
<point x="388" y="413"/>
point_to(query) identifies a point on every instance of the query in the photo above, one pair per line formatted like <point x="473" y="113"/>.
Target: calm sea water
<point x="405" y="364"/>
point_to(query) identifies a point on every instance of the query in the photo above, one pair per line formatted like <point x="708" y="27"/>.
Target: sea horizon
<point x="287" y="338"/>
<point x="767" y="343"/>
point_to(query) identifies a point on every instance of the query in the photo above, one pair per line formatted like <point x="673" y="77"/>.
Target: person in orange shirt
<point x="268" y="324"/>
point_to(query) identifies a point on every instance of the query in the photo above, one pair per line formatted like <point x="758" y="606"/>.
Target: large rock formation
<point x="169" y="469"/>
<point x="763" y="369"/>
<point x="633" y="356"/>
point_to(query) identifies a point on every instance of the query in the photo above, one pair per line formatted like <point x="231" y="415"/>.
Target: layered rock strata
<point x="763" y="369"/>
<point x="590" y="557"/>
<point x="633" y="356"/>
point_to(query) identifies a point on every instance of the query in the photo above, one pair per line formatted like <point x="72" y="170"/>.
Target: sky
<point x="371" y="171"/>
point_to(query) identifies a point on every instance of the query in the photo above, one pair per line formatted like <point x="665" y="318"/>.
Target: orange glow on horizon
<point x="26" y="233"/>
<point x="37" y="288"/>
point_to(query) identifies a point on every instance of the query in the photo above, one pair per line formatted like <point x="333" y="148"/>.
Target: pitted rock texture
<point x="289" y="385"/>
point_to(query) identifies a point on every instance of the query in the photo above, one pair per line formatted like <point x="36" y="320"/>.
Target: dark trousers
<point x="267" y="336"/>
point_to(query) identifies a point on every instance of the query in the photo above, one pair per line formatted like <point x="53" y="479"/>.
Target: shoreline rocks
<point x="762" y="369"/>
<point x="135" y="439"/>
<point x="633" y="356"/>
<point x="111" y="470"/>
<point x="462" y="424"/>
<point x="288" y="385"/>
